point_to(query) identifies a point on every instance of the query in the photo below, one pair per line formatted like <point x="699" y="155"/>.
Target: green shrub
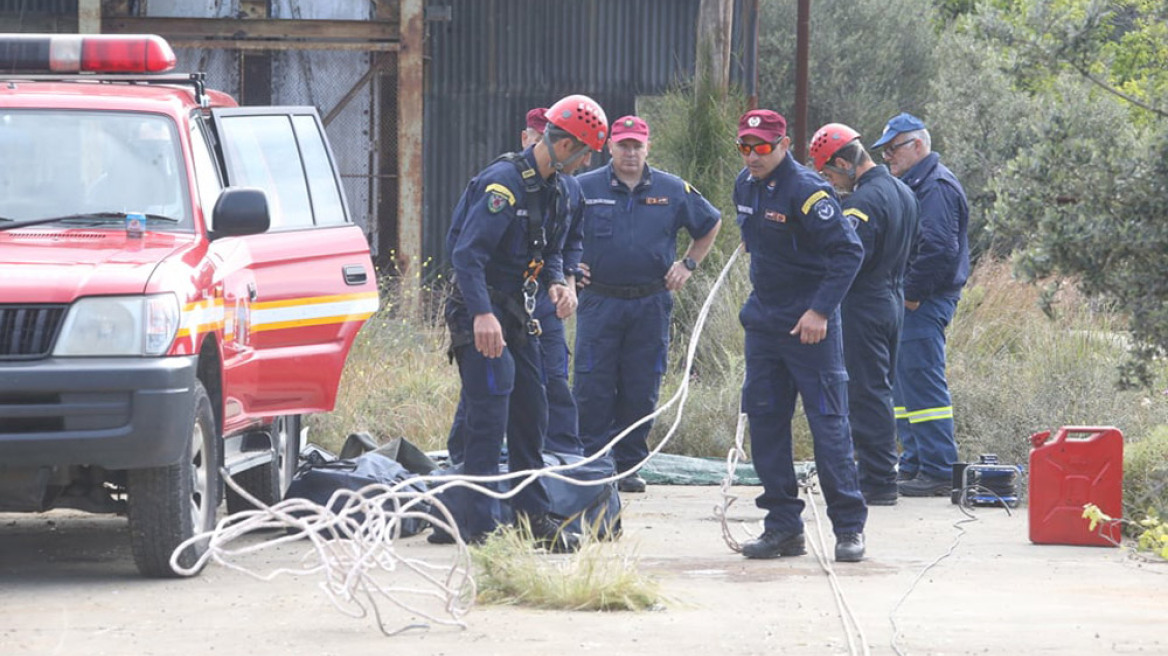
<point x="1145" y="476"/>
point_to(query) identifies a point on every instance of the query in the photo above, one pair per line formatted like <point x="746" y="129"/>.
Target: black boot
<point x="849" y="548"/>
<point x="632" y="483"/>
<point x="772" y="544"/>
<point x="926" y="486"/>
<point x="550" y="534"/>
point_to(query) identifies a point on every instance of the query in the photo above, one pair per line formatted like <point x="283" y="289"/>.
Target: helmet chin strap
<point x="558" y="165"/>
<point x="851" y="173"/>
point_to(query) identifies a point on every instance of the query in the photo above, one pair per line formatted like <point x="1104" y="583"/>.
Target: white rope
<point x="722" y="510"/>
<point x="819" y="547"/>
<point x="353" y="564"/>
<point x="350" y="549"/>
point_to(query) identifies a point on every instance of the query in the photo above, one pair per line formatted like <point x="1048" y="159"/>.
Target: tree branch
<point x="1112" y="90"/>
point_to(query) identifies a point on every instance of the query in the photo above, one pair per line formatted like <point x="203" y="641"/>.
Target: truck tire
<point x="167" y="505"/>
<point x="269" y="481"/>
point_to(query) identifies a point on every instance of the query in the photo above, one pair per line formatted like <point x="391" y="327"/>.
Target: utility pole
<point x="89" y="16"/>
<point x="802" y="37"/>
<point x="715" y="19"/>
<point x="751" y="38"/>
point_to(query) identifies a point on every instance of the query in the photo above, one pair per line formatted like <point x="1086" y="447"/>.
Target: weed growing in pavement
<point x="1151" y="534"/>
<point x="601" y="576"/>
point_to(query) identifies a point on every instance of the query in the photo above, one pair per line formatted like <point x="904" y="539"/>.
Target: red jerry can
<point x="1077" y="466"/>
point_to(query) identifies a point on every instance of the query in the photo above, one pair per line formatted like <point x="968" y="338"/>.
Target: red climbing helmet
<point x="828" y="140"/>
<point x="581" y="117"/>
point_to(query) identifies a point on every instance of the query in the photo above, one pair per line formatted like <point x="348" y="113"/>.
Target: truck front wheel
<point x="167" y="505"/>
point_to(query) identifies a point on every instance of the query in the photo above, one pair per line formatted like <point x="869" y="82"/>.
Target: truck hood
<point x="58" y="266"/>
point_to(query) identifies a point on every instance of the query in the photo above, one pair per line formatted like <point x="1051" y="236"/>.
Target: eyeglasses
<point x="764" y="148"/>
<point x="891" y="149"/>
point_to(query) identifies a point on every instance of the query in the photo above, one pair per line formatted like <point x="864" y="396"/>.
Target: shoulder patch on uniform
<point x="496" y="188"/>
<point x="824" y="209"/>
<point x="690" y="189"/>
<point x="812" y="199"/>
<point x="851" y="211"/>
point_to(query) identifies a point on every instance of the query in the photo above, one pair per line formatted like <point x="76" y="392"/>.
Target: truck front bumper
<point x="116" y="413"/>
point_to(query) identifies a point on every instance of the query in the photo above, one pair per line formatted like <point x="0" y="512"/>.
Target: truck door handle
<point x="354" y="274"/>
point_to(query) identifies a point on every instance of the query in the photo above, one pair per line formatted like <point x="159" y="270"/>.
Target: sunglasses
<point x="764" y="148"/>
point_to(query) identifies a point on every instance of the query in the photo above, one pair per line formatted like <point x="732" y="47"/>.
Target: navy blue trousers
<point x="500" y="397"/>
<point x="621" y="351"/>
<point x="871" y="329"/>
<point x="924" y="409"/>
<point x="778" y="369"/>
<point x="563" y="433"/>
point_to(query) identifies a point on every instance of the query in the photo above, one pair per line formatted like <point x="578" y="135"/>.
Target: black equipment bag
<point x="589" y="509"/>
<point x="317" y="483"/>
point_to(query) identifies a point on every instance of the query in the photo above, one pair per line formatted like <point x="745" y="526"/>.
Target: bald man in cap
<point x="633" y="214"/>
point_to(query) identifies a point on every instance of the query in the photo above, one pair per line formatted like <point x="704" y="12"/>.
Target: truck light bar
<point x="89" y="53"/>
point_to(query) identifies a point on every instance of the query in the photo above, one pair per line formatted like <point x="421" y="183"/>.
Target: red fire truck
<point x="180" y="282"/>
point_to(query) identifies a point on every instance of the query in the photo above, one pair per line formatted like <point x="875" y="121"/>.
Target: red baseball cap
<point x="537" y="119"/>
<point x="770" y="126"/>
<point x="630" y="127"/>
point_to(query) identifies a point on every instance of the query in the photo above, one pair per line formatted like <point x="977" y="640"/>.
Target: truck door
<point x="311" y="283"/>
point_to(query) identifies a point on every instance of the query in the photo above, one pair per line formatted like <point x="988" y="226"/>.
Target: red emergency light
<point x="88" y="53"/>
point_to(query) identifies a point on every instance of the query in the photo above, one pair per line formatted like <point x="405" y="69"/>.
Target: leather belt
<point x="627" y="291"/>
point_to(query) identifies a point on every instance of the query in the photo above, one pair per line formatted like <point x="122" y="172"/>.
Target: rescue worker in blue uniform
<point x="632" y="216"/>
<point x="803" y="256"/>
<point x="883" y="210"/>
<point x="562" y="434"/>
<point x="508" y="230"/>
<point x="937" y="271"/>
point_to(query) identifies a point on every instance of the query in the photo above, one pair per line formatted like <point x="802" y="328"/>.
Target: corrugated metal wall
<point x="495" y="59"/>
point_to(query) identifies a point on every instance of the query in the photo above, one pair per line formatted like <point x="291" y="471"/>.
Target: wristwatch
<point x="690" y="263"/>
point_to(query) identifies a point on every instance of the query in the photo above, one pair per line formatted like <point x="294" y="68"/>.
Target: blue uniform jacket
<point x="487" y="242"/>
<point x="630" y="236"/>
<point x="803" y="253"/>
<point x="940" y="264"/>
<point x="883" y="210"/>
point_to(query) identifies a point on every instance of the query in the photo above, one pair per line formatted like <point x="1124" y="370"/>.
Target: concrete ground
<point x="68" y="586"/>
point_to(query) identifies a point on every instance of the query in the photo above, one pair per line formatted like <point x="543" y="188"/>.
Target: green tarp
<point x="669" y="469"/>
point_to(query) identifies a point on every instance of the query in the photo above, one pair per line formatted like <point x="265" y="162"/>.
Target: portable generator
<point x="986" y="482"/>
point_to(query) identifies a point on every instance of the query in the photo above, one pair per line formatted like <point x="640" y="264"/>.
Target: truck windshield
<point x="59" y="163"/>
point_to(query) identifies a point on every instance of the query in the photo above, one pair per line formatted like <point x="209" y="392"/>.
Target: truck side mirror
<point x="240" y="211"/>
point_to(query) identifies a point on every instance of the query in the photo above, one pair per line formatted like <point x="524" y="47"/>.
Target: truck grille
<point x="29" y="331"/>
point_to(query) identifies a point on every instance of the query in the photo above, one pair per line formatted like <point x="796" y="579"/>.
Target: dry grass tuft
<point x="601" y="576"/>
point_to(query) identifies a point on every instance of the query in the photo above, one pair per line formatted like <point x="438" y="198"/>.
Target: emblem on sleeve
<point x="496" y="202"/>
<point x="498" y="197"/>
<point x="824" y="210"/>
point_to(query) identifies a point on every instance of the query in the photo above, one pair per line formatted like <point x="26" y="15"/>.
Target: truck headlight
<point x="119" y="325"/>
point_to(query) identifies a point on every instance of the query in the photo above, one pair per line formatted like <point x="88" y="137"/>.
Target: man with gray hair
<point x="937" y="270"/>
